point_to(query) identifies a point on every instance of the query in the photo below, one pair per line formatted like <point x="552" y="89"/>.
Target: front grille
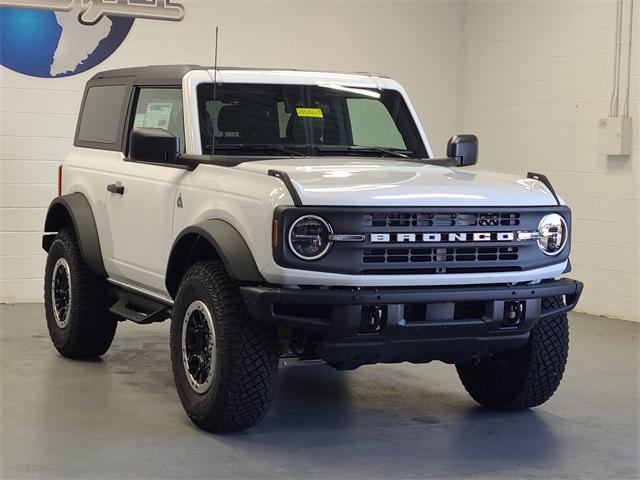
<point x="424" y="240"/>
<point x="456" y="254"/>
<point x="429" y="219"/>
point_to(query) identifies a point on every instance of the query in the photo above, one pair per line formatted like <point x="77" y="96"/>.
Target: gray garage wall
<point x="537" y="76"/>
<point x="530" y="78"/>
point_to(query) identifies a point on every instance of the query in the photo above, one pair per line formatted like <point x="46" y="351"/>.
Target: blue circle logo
<point x="49" y="44"/>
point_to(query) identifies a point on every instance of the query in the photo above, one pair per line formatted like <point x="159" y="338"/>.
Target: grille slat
<point x="455" y="219"/>
<point x="450" y="254"/>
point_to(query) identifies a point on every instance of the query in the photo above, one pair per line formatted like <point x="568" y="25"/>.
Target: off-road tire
<point x="90" y="328"/>
<point x="246" y="354"/>
<point x="525" y="377"/>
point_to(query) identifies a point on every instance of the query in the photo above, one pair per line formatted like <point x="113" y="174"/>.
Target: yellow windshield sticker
<point x="309" y="112"/>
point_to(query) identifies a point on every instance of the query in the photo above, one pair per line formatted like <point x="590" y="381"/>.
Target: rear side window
<point x="102" y="115"/>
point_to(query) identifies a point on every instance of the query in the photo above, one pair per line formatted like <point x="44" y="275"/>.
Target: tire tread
<point x="93" y="326"/>
<point x="248" y="355"/>
<point x="540" y="367"/>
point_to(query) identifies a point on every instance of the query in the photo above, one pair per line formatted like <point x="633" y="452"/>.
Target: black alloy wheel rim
<point x="61" y="292"/>
<point x="198" y="346"/>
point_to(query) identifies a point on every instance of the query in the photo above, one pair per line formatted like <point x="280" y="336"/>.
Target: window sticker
<point x="309" y="112"/>
<point x="157" y="115"/>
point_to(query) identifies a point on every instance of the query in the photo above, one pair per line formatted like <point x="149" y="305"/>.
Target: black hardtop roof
<point x="174" y="73"/>
<point x="152" y="72"/>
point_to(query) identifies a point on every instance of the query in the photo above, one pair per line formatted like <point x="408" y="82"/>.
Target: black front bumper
<point x="451" y="324"/>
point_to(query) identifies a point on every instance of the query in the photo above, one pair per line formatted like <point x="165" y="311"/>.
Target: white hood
<point x="389" y="182"/>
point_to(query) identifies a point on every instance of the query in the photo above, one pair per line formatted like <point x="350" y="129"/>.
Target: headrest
<point x="230" y="118"/>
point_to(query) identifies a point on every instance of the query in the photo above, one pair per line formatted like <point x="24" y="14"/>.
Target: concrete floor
<point x="120" y="417"/>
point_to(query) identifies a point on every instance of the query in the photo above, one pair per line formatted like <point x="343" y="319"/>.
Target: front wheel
<point x="224" y="362"/>
<point x="525" y="377"/>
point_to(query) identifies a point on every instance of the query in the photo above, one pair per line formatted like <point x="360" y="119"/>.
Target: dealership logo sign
<point x="92" y="11"/>
<point x="59" y="38"/>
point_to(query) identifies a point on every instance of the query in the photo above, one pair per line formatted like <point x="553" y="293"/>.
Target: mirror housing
<point x="463" y="149"/>
<point x="155" y="145"/>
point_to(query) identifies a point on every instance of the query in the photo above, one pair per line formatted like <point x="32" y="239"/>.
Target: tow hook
<point x="513" y="313"/>
<point x="374" y="318"/>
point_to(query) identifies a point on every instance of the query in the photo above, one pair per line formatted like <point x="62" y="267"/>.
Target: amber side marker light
<point x="59" y="180"/>
<point x="275" y="234"/>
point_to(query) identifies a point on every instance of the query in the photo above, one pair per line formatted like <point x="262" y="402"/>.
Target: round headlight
<point x="309" y="237"/>
<point x="553" y="234"/>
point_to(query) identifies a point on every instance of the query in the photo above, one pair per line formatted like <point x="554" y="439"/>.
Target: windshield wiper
<point x="356" y="148"/>
<point x="258" y="146"/>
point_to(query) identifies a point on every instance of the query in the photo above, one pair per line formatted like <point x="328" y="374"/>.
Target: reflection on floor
<point x="120" y="417"/>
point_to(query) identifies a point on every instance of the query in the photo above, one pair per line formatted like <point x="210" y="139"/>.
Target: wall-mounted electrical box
<point x="614" y="136"/>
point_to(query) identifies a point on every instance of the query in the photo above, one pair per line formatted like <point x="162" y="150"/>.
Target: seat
<point x="229" y="123"/>
<point x="252" y="122"/>
<point x="300" y="129"/>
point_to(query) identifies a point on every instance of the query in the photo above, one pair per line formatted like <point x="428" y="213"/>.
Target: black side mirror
<point x="153" y="145"/>
<point x="463" y="149"/>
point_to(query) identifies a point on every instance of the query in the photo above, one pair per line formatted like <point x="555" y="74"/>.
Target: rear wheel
<point x="525" y="377"/>
<point x="76" y="302"/>
<point x="224" y="362"/>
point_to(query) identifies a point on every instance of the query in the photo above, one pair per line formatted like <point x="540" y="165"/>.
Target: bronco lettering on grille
<point x="442" y="237"/>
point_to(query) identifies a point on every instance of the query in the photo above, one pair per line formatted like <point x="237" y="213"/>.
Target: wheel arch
<point x="212" y="239"/>
<point x="74" y="211"/>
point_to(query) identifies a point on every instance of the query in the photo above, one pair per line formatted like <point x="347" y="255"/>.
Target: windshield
<point x="297" y="120"/>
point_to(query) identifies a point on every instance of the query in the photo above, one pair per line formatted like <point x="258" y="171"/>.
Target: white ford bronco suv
<point x="282" y="214"/>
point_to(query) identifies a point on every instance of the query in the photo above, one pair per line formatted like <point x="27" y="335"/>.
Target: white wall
<point x="413" y="41"/>
<point x="537" y="76"/>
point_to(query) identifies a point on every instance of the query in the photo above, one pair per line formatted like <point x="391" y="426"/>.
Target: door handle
<point x="116" y="188"/>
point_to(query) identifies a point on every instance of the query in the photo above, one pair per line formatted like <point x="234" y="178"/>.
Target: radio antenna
<point x="215" y="83"/>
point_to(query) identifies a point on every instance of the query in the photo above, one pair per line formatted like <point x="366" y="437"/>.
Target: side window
<point x="102" y="115"/>
<point x="372" y="125"/>
<point x="160" y="108"/>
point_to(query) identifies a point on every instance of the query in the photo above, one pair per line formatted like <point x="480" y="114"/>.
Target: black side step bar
<point x="138" y="309"/>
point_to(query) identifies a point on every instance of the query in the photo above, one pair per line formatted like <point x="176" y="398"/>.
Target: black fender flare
<point x="200" y="241"/>
<point x="74" y="210"/>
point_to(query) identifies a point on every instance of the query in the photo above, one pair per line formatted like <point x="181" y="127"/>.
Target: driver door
<point x="141" y="206"/>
